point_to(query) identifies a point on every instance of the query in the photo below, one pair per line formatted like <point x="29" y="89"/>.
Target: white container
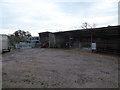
<point x="4" y="43"/>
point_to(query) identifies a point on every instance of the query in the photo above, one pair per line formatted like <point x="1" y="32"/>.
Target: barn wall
<point x="52" y="40"/>
<point x="60" y="41"/>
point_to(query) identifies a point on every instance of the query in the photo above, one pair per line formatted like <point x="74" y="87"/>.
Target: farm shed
<point x="105" y="39"/>
<point x="44" y="39"/>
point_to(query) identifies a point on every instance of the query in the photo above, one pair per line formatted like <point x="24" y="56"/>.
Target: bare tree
<point x="86" y="25"/>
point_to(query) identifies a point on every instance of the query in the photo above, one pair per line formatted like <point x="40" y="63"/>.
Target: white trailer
<point x="4" y="43"/>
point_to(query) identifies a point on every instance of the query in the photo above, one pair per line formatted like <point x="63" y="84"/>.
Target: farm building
<point x="44" y="39"/>
<point x="105" y="39"/>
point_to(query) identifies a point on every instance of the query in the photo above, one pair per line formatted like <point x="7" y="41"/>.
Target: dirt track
<point x="55" y="68"/>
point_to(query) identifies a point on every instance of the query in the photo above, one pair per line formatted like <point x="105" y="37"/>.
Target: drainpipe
<point x="54" y="40"/>
<point x="70" y="41"/>
<point x="49" y="40"/>
<point x="91" y="40"/>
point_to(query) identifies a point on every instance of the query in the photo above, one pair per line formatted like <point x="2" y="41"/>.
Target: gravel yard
<point x="58" y="68"/>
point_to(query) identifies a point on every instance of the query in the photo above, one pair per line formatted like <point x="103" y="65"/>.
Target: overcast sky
<point x="55" y="15"/>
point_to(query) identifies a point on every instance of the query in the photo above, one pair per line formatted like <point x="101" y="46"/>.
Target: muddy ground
<point x="57" y="68"/>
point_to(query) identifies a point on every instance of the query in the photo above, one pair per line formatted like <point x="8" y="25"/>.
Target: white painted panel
<point x="93" y="46"/>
